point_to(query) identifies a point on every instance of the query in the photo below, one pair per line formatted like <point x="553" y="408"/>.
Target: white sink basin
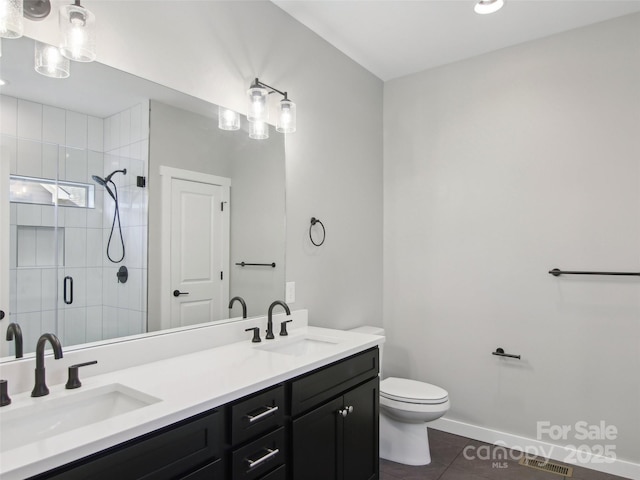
<point x="300" y="346"/>
<point x="46" y="417"/>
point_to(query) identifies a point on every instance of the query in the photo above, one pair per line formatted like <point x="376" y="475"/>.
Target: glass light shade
<point x="484" y="7"/>
<point x="228" y="119"/>
<point x="286" y="117"/>
<point x="257" y="110"/>
<point x="50" y="62"/>
<point x="11" y="23"/>
<point x="258" y="130"/>
<point x="78" y="33"/>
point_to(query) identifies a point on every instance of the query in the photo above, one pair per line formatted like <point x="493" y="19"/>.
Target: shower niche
<point x="62" y="220"/>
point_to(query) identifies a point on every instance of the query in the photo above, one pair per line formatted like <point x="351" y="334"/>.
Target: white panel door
<point x="197" y="248"/>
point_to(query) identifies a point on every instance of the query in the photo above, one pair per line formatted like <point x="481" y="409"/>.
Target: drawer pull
<point x="266" y="413"/>
<point x="270" y="454"/>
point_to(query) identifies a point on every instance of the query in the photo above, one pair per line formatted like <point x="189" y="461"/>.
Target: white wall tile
<point x="114" y="133"/>
<point x="13" y="291"/>
<point x="134" y="286"/>
<point x="45" y="246"/>
<point x="77" y="126"/>
<point x="29" y="120"/>
<point x="94" y="287"/>
<point x="106" y="137"/>
<point x="123" y="322"/>
<point x="8" y="115"/>
<point x="48" y="322"/>
<point x="29" y="290"/>
<point x="53" y="125"/>
<point x="124" y="293"/>
<point x="50" y="162"/>
<point x="109" y="322"/>
<point x="75" y="247"/>
<point x="9" y="152"/>
<point x="94" y="324"/>
<point x="144" y="117"/>
<point x="125" y="128"/>
<point x="94" y="215"/>
<point x="75" y="217"/>
<point x="13" y="246"/>
<point x="29" y="214"/>
<point x="95" y="165"/>
<point x="137" y="324"/>
<point x="75" y="326"/>
<point x="76" y="165"/>
<point x="109" y="287"/>
<point x="136" y="123"/>
<point x="29" y="158"/>
<point x="48" y="215"/>
<point x="49" y="288"/>
<point x="96" y="134"/>
<point x="26" y="247"/>
<point x="95" y="251"/>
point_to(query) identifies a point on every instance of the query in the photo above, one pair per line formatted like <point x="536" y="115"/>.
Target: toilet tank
<point x="370" y="330"/>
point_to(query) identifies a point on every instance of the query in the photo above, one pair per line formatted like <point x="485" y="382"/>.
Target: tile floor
<point x="448" y="462"/>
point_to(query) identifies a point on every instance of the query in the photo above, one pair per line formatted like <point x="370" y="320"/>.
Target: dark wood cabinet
<point x="319" y="426"/>
<point x="339" y="439"/>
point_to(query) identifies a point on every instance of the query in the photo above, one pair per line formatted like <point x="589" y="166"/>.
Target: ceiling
<point x="394" y="38"/>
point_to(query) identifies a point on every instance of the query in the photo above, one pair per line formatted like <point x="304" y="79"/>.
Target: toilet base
<point x="406" y="443"/>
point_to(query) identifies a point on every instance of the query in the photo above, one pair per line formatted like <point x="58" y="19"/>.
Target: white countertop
<point x="186" y="385"/>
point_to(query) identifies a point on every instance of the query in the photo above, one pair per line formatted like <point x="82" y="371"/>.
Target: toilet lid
<point x="405" y="390"/>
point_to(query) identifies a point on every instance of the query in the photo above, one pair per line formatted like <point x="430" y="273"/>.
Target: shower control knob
<point x="177" y="293"/>
<point x="1" y="314"/>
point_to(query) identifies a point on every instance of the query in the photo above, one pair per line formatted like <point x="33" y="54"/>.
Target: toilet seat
<point x="411" y="391"/>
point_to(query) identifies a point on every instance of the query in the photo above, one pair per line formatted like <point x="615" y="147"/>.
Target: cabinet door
<point x="361" y="432"/>
<point x="317" y="443"/>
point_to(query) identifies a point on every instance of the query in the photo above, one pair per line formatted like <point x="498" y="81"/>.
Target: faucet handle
<point x="4" y="395"/>
<point x="74" y="380"/>
<point x="256" y="334"/>
<point x="283" y="328"/>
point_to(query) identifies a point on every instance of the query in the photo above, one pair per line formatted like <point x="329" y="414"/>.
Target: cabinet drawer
<point x="175" y="452"/>
<point x="213" y="471"/>
<point x="325" y="383"/>
<point x="259" y="457"/>
<point x="279" y="473"/>
<point x="257" y="415"/>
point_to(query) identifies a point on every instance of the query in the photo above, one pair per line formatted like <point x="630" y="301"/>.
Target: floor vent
<point x="547" y="466"/>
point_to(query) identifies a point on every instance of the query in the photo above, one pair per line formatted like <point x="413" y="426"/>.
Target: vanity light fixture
<point x="258" y="130"/>
<point x="77" y="32"/>
<point x="50" y="62"/>
<point x="11" y="23"/>
<point x="484" y="7"/>
<point x="228" y="119"/>
<point x="258" y="110"/>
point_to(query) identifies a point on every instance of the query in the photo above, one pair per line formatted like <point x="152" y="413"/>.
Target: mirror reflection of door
<point x="198" y="221"/>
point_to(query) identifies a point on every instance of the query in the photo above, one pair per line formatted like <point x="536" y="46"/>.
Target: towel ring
<point x="314" y="220"/>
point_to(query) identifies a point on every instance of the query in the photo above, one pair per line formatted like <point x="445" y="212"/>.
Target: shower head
<point x="103" y="182"/>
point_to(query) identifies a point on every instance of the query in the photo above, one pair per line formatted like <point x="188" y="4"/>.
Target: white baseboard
<point x="554" y="452"/>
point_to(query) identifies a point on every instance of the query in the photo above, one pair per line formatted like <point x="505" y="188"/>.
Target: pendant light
<point x="50" y="62"/>
<point x="228" y="119"/>
<point x="11" y="23"/>
<point x="77" y="32"/>
<point x="484" y="7"/>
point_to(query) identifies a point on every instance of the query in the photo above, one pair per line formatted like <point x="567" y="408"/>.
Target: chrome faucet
<point x="270" y="335"/>
<point x="242" y="302"/>
<point x="14" y="331"/>
<point x="40" y="388"/>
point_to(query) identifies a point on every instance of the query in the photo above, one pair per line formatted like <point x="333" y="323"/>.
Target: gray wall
<point x="213" y="50"/>
<point x="189" y="141"/>
<point x="496" y="170"/>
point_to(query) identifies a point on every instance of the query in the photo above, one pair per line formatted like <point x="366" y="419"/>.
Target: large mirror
<point x="97" y="253"/>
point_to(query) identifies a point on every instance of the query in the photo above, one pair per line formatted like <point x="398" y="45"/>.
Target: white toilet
<point x="405" y="408"/>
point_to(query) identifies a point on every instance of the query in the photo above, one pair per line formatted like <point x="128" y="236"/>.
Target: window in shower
<point x="44" y="191"/>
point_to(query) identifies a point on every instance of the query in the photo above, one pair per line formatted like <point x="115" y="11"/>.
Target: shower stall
<point x="77" y="219"/>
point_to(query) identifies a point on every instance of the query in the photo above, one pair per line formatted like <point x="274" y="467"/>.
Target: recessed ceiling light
<point x="484" y="7"/>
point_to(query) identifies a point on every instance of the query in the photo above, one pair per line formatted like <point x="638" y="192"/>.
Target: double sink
<point x="28" y="420"/>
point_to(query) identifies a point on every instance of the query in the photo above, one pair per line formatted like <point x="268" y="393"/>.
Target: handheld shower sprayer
<point x="116" y="213"/>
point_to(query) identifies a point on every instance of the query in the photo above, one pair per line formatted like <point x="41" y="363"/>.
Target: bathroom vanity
<point x="299" y="407"/>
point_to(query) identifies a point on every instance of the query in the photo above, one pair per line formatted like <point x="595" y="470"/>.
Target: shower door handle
<point x="177" y="293"/>
<point x="68" y="290"/>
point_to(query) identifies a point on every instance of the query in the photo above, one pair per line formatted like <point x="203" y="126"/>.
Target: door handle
<point x="177" y="293"/>
<point x="68" y="290"/>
